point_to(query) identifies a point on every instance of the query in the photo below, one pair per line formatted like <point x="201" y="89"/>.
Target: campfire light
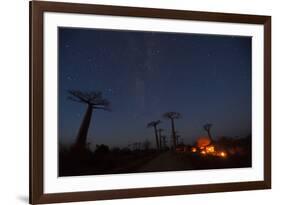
<point x="210" y="149"/>
<point x="205" y="147"/>
<point x="203" y="152"/>
<point x="222" y="154"/>
<point x="193" y="149"/>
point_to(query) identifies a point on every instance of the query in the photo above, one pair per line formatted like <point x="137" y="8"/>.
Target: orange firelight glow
<point x="210" y="149"/>
<point x="222" y="154"/>
<point x="203" y="152"/>
<point x="193" y="149"/>
<point x="205" y="147"/>
<point x="202" y="142"/>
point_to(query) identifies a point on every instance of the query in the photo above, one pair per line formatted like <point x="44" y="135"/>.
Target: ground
<point x="166" y="161"/>
<point x="141" y="161"/>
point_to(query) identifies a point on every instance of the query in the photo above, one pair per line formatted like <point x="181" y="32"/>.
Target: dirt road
<point x="167" y="161"/>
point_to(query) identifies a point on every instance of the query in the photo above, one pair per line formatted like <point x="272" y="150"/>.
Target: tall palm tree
<point x="172" y="116"/>
<point x="154" y="124"/>
<point x="207" y="127"/>
<point x="94" y="101"/>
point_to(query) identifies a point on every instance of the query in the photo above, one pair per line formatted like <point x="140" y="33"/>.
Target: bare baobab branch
<point x="94" y="100"/>
<point x="153" y="123"/>
<point x="172" y="115"/>
<point x="207" y="127"/>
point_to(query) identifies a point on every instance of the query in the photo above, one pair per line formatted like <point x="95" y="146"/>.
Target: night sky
<point x="206" y="78"/>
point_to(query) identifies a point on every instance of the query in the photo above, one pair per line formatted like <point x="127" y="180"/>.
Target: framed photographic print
<point x="138" y="102"/>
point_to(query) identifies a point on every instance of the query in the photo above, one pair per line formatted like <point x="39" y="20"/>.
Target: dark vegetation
<point x="103" y="160"/>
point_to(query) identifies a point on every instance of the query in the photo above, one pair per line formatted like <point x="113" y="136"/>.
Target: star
<point x="69" y="77"/>
<point x="90" y="59"/>
<point x="110" y="90"/>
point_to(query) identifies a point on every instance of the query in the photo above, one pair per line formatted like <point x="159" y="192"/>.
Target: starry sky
<point x="206" y="78"/>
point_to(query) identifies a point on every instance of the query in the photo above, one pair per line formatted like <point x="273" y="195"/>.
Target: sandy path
<point x="167" y="161"/>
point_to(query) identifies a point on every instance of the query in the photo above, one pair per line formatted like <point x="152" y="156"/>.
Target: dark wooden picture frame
<point x="37" y="9"/>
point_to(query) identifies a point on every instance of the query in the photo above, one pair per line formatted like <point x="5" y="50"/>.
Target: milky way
<point x="206" y="78"/>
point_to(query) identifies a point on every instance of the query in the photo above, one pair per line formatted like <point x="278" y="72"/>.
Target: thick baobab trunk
<point x="174" y="133"/>
<point x="160" y="139"/>
<point x="160" y="142"/>
<point x="156" y="137"/>
<point x="209" y="134"/>
<point x="83" y="131"/>
<point x="164" y="142"/>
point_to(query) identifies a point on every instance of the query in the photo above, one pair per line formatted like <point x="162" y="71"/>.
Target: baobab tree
<point x="136" y="146"/>
<point x="164" y="141"/>
<point x="154" y="124"/>
<point x="94" y="101"/>
<point x="160" y="137"/>
<point x="172" y="116"/>
<point x="207" y="127"/>
<point x="177" y="139"/>
<point x="146" y="145"/>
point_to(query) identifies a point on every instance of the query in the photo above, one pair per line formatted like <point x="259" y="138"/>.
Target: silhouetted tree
<point x="164" y="141"/>
<point x="207" y="127"/>
<point x="160" y="137"/>
<point x="94" y="101"/>
<point x="177" y="138"/>
<point x="146" y="145"/>
<point x="154" y="124"/>
<point x="101" y="149"/>
<point x="172" y="116"/>
<point x="129" y="146"/>
<point x="136" y="145"/>
<point x="182" y="141"/>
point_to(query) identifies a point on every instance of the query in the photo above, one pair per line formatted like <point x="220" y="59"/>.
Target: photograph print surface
<point x="144" y="101"/>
